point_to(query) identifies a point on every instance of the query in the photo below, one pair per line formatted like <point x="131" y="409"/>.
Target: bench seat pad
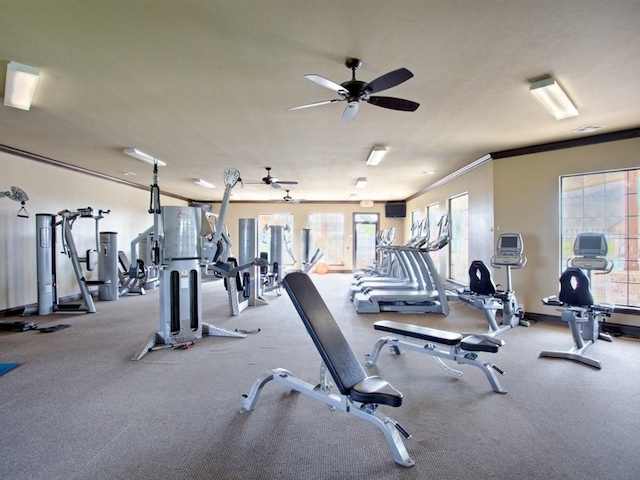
<point x="376" y="390"/>
<point x="415" y="331"/>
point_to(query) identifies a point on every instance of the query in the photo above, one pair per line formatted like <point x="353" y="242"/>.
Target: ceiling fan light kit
<point x="355" y="91"/>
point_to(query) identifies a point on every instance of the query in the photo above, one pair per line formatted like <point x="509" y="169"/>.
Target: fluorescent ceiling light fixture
<point x="21" y="85"/>
<point x="361" y="182"/>
<point x="377" y="154"/>
<point x="353" y="196"/>
<point x="145" y="157"/>
<point x="549" y="93"/>
<point x="204" y="183"/>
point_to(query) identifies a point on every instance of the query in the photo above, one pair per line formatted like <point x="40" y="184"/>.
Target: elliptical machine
<point x="483" y="293"/>
<point x="576" y="300"/>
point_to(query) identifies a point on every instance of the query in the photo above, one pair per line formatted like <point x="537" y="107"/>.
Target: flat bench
<point x="359" y="393"/>
<point x="440" y="344"/>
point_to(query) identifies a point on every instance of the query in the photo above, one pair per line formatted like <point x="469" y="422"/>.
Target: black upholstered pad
<point x="474" y="343"/>
<point x="376" y="389"/>
<point x="580" y="295"/>
<point x="480" y="279"/>
<point x="415" y="331"/>
<point x="342" y="363"/>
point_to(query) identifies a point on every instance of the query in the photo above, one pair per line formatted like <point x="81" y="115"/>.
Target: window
<point x="459" y="245"/>
<point x="433" y="214"/>
<point x="416" y="216"/>
<point x="605" y="203"/>
<point x="264" y="245"/>
<point x="327" y="233"/>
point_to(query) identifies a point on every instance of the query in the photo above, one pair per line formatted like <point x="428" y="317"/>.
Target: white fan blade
<point x="326" y="83"/>
<point x="314" y="104"/>
<point x="350" y="112"/>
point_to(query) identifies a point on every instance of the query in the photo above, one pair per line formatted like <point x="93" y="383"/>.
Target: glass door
<point x="365" y="232"/>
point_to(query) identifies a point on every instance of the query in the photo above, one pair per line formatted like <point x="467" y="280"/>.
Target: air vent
<point x="588" y="128"/>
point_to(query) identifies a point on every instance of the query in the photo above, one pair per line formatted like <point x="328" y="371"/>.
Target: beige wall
<point x="526" y="197"/>
<point x="478" y="184"/>
<point x="52" y="189"/>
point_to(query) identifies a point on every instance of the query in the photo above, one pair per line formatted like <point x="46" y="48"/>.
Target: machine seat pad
<point x="415" y="331"/>
<point x="376" y="390"/>
<point x="475" y="343"/>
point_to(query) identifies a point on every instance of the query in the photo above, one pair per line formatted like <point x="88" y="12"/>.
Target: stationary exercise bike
<point x="483" y="294"/>
<point x="576" y="300"/>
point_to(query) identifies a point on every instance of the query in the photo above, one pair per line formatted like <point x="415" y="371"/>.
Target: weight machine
<point x="579" y="310"/>
<point x="18" y="195"/>
<point x="178" y="234"/>
<point x="100" y="256"/>
<point x="309" y="262"/>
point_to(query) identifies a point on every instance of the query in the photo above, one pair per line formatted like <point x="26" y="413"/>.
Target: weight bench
<point x="441" y="344"/>
<point x="359" y="394"/>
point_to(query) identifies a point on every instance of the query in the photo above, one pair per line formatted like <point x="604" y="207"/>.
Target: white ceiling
<point x="205" y="85"/>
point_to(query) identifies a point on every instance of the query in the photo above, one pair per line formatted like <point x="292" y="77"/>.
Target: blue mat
<point x="5" y="367"/>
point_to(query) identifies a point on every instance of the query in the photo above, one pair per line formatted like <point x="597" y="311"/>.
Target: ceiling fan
<point x="354" y="91"/>
<point x="289" y="199"/>
<point x="271" y="181"/>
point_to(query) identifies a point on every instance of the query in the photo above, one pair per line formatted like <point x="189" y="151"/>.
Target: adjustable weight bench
<point x="359" y="394"/>
<point x="441" y="344"/>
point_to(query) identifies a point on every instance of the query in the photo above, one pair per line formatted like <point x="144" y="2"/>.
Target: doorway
<point x="365" y="232"/>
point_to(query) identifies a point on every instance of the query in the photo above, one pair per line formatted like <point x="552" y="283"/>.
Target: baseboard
<point x="615" y="329"/>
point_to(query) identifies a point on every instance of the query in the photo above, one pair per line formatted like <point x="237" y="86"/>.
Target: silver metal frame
<point x="390" y="428"/>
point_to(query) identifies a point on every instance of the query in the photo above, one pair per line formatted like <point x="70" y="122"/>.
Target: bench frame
<point x="340" y="364"/>
<point x="440" y="344"/>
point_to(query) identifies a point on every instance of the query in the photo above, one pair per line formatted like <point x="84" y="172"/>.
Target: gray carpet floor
<point x="77" y="407"/>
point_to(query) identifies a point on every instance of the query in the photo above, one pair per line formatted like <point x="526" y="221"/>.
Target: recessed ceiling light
<point x="427" y="172"/>
<point x="203" y="183"/>
<point x="377" y="154"/>
<point x="144" y="157"/>
<point x="20" y="85"/>
<point x="588" y="128"/>
<point x="361" y="182"/>
<point x="551" y="95"/>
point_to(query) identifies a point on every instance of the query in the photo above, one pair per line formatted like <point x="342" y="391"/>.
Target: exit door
<point x="365" y="232"/>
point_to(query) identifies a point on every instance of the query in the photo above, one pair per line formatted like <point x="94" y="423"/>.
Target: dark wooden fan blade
<point x="394" y="103"/>
<point x="389" y="80"/>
